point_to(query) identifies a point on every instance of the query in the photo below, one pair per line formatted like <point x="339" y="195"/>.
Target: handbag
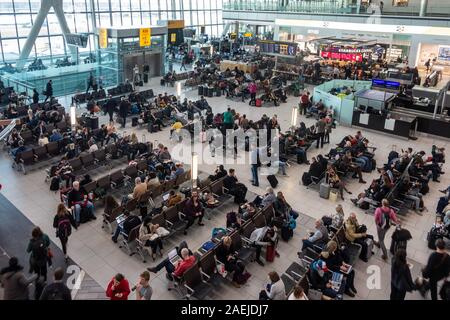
<point x="49" y="253"/>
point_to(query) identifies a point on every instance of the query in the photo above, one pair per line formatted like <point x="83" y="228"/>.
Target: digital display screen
<point x="278" y="47"/>
<point x="77" y="40"/>
<point x="342" y="56"/>
<point x="392" y="84"/>
<point x="444" y="53"/>
<point x="378" y="82"/>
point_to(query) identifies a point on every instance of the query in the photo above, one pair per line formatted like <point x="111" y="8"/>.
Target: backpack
<point x="55" y="294"/>
<point x="54" y="184"/>
<point x="386" y="219"/>
<point x="64" y="228"/>
<point x="39" y="250"/>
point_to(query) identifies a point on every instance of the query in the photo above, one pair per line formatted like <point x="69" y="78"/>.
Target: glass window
<point x="136" y="19"/>
<point x="163" y="4"/>
<point x="23" y="25"/>
<point x="42" y="46"/>
<point x="104" y="19"/>
<point x="126" y="19"/>
<point x="6" y="6"/>
<point x="115" y="5"/>
<point x="145" y="5"/>
<point x="146" y="19"/>
<point x="10" y="49"/>
<point x="7" y="26"/>
<point x="103" y="5"/>
<point x="125" y="5"/>
<point x="57" y="45"/>
<point x="116" y="19"/>
<point x="186" y="4"/>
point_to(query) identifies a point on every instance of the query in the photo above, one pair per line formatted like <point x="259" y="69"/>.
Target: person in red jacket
<point x="118" y="288"/>
<point x="383" y="217"/>
<point x="187" y="261"/>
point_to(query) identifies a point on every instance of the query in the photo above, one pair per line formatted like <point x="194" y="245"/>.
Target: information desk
<point x="399" y="125"/>
<point x="435" y="127"/>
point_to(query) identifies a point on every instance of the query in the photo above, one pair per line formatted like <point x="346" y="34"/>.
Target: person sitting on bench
<point x="126" y="226"/>
<point x="238" y="190"/>
<point x="226" y="254"/>
<point x="187" y="261"/>
<point x="318" y="238"/>
<point x="193" y="209"/>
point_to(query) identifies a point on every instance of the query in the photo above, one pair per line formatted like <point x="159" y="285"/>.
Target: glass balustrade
<point x="403" y="7"/>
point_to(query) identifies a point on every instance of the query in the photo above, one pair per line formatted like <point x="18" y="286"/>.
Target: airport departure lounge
<point x="247" y="150"/>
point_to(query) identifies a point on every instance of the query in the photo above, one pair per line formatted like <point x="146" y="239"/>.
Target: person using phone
<point x="143" y="289"/>
<point x="118" y="288"/>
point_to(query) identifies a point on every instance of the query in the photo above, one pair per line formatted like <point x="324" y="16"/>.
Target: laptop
<point x="166" y="196"/>
<point x="120" y="219"/>
<point x="173" y="256"/>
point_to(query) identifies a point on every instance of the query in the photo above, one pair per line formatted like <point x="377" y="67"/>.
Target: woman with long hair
<point x="63" y="222"/>
<point x="401" y="280"/>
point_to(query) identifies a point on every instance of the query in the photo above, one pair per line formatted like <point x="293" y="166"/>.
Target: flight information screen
<point x="278" y="47"/>
<point x="78" y="40"/>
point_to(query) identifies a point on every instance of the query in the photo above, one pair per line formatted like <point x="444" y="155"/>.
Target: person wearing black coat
<point x="315" y="169"/>
<point x="192" y="210"/>
<point x="111" y="107"/>
<point x="63" y="223"/>
<point x="124" y="107"/>
<point x="35" y="96"/>
<point x="48" y="90"/>
<point x="437" y="268"/>
<point x="401" y="280"/>
<point x="226" y="254"/>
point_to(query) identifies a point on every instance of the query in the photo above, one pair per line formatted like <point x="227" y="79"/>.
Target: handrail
<point x="5" y="133"/>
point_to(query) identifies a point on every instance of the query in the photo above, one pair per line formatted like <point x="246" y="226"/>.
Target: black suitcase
<point x="272" y="180"/>
<point x="84" y="215"/>
<point x="218" y="93"/>
<point x="286" y="233"/>
<point x="200" y="90"/>
<point x="306" y="179"/>
<point x="163" y="82"/>
<point x="210" y="92"/>
<point x="134" y="121"/>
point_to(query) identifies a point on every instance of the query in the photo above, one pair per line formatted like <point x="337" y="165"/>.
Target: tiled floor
<point x="92" y="248"/>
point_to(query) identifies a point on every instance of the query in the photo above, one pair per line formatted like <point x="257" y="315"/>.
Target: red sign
<point x="342" y="56"/>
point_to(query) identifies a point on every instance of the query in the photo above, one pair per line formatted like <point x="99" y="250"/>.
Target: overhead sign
<point x="385" y="84"/>
<point x="145" y="37"/>
<point x="77" y="40"/>
<point x="247" y="35"/>
<point x="278" y="47"/>
<point x="103" y="38"/>
<point x="175" y="24"/>
<point x="173" y="37"/>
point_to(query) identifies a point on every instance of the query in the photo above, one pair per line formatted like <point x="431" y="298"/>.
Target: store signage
<point x="173" y="37"/>
<point x="313" y="31"/>
<point x="175" y="24"/>
<point x="354" y="50"/>
<point x="341" y="56"/>
<point x="145" y="37"/>
<point x="247" y="35"/>
<point x="103" y="38"/>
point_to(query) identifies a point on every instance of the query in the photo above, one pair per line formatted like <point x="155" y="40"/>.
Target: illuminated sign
<point x="103" y="38"/>
<point x="175" y="24"/>
<point x="354" y="50"/>
<point x="145" y="37"/>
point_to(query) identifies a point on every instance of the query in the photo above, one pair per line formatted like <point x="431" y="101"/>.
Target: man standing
<point x="123" y="111"/>
<point x="143" y="289"/>
<point x="255" y="164"/>
<point x="304" y="101"/>
<point x="228" y="119"/>
<point x="383" y="217"/>
<point x="90" y="83"/>
<point x="321" y="126"/>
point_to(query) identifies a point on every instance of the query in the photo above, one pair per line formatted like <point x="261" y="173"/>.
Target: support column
<point x="423" y="8"/>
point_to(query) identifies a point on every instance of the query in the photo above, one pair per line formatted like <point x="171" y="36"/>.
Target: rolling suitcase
<point x="324" y="190"/>
<point x="368" y="253"/>
<point x="258" y="103"/>
<point x="272" y="180"/>
<point x="270" y="253"/>
<point x="210" y="92"/>
<point x="134" y="121"/>
<point x="163" y="82"/>
<point x="200" y="90"/>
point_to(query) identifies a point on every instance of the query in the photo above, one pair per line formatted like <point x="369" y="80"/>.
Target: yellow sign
<point x="173" y="37"/>
<point x="145" y="35"/>
<point x="175" y="24"/>
<point x="103" y="38"/>
<point x="247" y="35"/>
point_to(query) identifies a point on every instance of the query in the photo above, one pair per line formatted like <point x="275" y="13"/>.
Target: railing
<point x="6" y="131"/>
<point x="331" y="6"/>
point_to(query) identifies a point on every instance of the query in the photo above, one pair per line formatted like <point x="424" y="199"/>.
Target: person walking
<point x="63" y="222"/>
<point x="321" y="127"/>
<point x="39" y="248"/>
<point x="383" y="217"/>
<point x="401" y="280"/>
<point x="304" y="102"/>
<point x="111" y="107"/>
<point x="48" y="90"/>
<point x="90" y="82"/>
<point x="143" y="289"/>
<point x="57" y="290"/>
<point x="15" y="284"/>
<point x="437" y="269"/>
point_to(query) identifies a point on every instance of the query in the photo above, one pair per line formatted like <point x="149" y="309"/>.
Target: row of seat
<point x="297" y="273"/>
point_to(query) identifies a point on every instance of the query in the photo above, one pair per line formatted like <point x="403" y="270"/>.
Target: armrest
<point x="170" y="224"/>
<point x="191" y="291"/>
<point x="113" y="184"/>
<point x="246" y="240"/>
<point x="205" y="275"/>
<point x="181" y="215"/>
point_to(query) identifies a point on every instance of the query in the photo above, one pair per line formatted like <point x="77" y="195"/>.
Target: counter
<point x="397" y="124"/>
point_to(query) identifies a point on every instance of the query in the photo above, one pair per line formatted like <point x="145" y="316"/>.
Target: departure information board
<point x="278" y="47"/>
